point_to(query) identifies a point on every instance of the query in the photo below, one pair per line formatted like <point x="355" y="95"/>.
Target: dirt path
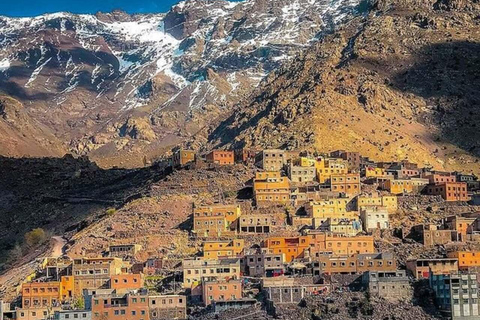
<point x="57" y="247"/>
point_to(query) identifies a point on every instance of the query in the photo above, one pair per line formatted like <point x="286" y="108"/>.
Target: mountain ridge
<point x="175" y="71"/>
<point x="394" y="85"/>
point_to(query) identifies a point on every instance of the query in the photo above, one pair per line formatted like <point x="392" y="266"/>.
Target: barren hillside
<point x="401" y="83"/>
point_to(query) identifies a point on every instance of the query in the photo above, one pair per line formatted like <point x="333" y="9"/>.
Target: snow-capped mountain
<point x="80" y="74"/>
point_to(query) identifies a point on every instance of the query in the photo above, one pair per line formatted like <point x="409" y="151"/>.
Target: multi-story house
<point x="222" y="249"/>
<point x="195" y="271"/>
<point x="353" y="158"/>
<point x="374" y="172"/>
<point x="131" y="306"/>
<point x="256" y="223"/>
<point x="94" y="273"/>
<point x="466" y="259"/>
<point x="215" y="220"/>
<point x="354" y="264"/>
<point x="221" y="290"/>
<point x="390" y="285"/>
<point x="422" y="268"/>
<point x="286" y="290"/>
<point x="271" y="160"/>
<point x="245" y="155"/>
<point x="348" y="183"/>
<point x="127" y="281"/>
<point x="337" y="244"/>
<point x="390" y="202"/>
<point x="182" y="157"/>
<point x="456" y="295"/>
<point x="271" y="187"/>
<point x="332" y="208"/>
<point x="374" y="218"/>
<point x="41" y="294"/>
<point x="435" y="177"/>
<point x="345" y="226"/>
<point x="221" y="157"/>
<point x="460" y="226"/>
<point x="431" y="235"/>
<point x="264" y="264"/>
<point x="162" y="307"/>
<point x="328" y="167"/>
<point x="291" y="247"/>
<point x="301" y="174"/>
<point x="124" y="251"/>
<point x="450" y="191"/>
<point x="315" y="244"/>
<point x="403" y="186"/>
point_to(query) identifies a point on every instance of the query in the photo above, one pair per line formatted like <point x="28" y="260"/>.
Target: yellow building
<point x="332" y="208"/>
<point x="390" y="202"/>
<point x="375" y="172"/>
<point x="271" y="187"/>
<point x="218" y="249"/>
<point x="306" y="162"/>
<point x="400" y="186"/>
<point x="327" y="167"/>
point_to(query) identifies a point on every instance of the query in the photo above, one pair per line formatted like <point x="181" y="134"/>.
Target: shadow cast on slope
<point x="57" y="194"/>
<point x="447" y="76"/>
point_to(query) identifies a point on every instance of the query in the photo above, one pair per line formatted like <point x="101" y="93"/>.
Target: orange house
<point x="316" y="244"/>
<point x="221" y="157"/>
<point x="129" y="306"/>
<point x="348" y="183"/>
<point x="461" y="225"/>
<point x="328" y="167"/>
<point x="67" y="287"/>
<point x="41" y="294"/>
<point x="218" y="249"/>
<point x="127" y="281"/>
<point x="466" y="259"/>
<point x="450" y="191"/>
<point x="322" y="243"/>
<point x="434" y="178"/>
<point x="223" y="290"/>
<point x="292" y="247"/>
<point x="271" y="187"/>
<point x="399" y="186"/>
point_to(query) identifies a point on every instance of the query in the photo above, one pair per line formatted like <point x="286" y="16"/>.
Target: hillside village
<point x="266" y="234"/>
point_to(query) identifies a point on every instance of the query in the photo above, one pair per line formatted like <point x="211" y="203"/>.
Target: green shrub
<point x="111" y="211"/>
<point x="35" y="237"/>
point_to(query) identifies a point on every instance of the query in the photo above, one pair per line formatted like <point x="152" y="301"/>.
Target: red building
<point x="221" y="157"/>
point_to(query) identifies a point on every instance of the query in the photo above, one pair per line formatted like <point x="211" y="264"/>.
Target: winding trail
<point x="58" y="246"/>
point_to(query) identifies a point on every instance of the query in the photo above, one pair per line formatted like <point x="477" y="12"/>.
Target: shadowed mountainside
<point x="61" y="194"/>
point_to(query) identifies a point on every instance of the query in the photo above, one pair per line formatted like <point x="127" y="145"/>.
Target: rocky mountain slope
<point x="117" y="84"/>
<point x="400" y="83"/>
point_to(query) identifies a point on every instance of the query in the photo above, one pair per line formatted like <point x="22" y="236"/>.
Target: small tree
<point x="35" y="237"/>
<point x="111" y="211"/>
<point x="79" y="304"/>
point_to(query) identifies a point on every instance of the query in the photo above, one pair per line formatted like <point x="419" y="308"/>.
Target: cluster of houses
<point x="334" y="203"/>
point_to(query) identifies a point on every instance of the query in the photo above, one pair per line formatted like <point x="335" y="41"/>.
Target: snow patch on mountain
<point x="229" y="40"/>
<point x="4" y="65"/>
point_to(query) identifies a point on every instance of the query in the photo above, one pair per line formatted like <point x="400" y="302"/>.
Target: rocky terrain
<point x="400" y="83"/>
<point x="115" y="85"/>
